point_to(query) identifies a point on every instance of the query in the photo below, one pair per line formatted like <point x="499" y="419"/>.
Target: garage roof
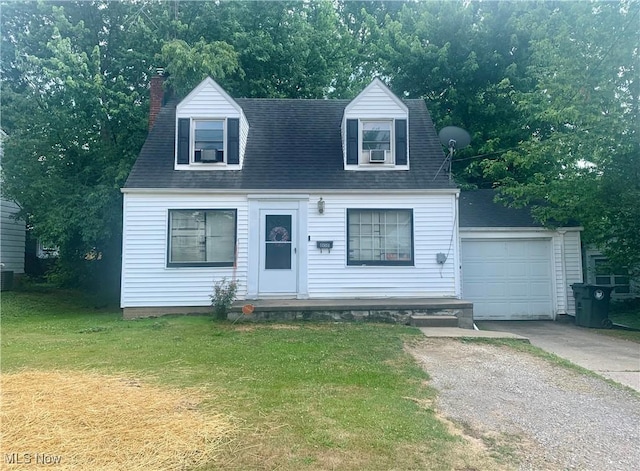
<point x="479" y="209"/>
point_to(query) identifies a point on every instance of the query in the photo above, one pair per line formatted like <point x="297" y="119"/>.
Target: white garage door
<point x="508" y="279"/>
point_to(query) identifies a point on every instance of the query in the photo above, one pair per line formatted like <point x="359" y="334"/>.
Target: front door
<point x="278" y="252"/>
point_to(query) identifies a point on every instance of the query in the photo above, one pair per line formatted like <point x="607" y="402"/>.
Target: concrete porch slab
<point x="393" y="310"/>
<point x="354" y="303"/>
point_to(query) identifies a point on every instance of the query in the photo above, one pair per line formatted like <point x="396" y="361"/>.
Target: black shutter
<point x="183" y="140"/>
<point x="352" y="142"/>
<point x="233" y="141"/>
<point x="401" y="142"/>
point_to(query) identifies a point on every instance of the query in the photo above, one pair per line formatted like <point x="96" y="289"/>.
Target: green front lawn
<point x="305" y="396"/>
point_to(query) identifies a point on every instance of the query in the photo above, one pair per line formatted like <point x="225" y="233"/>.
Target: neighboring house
<point x="322" y="199"/>
<point x="599" y="272"/>
<point x="12" y="238"/>
<point x="512" y="267"/>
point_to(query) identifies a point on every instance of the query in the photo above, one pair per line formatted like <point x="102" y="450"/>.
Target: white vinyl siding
<point x="244" y="135"/>
<point x="13" y="238"/>
<point x="146" y="279"/>
<point x="573" y="266"/>
<point x="205" y="100"/>
<point x="434" y="221"/>
<point x="148" y="282"/>
<point x="375" y="102"/>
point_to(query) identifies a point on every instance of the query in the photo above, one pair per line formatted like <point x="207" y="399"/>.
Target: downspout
<point x="563" y="274"/>
<point x="457" y="258"/>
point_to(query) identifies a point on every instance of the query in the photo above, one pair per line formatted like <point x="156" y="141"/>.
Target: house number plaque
<point x="324" y="244"/>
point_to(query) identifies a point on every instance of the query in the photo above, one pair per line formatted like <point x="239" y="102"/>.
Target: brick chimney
<point x="156" y="96"/>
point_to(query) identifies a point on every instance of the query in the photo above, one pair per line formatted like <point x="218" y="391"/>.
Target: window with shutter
<point x="204" y="141"/>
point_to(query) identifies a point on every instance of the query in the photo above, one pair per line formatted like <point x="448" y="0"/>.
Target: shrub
<point x="224" y="293"/>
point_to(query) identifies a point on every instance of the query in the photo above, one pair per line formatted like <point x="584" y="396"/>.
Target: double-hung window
<point x="200" y="237"/>
<point x="376" y="141"/>
<point x="380" y="236"/>
<point x="604" y="275"/>
<point x="208" y="141"/>
<point x="212" y="141"/>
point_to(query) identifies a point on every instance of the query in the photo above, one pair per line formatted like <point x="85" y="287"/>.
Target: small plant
<point x="224" y="293"/>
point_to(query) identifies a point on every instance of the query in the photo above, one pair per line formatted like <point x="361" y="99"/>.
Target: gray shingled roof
<point x="292" y="144"/>
<point x="478" y="209"/>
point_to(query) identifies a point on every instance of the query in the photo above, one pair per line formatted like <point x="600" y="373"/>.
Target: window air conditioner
<point x="211" y="155"/>
<point x="377" y="155"/>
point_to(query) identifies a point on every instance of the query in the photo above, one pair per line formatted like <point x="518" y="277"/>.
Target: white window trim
<point x="387" y="262"/>
<point x="363" y="155"/>
<point x="203" y="166"/>
<point x="181" y="264"/>
<point x="192" y="141"/>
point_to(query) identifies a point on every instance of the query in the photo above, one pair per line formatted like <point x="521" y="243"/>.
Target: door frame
<point x="259" y="203"/>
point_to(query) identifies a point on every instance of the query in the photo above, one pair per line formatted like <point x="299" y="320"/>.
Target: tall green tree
<point x="581" y="159"/>
<point x="72" y="109"/>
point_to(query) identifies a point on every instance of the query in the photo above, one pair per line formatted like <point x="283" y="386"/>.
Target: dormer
<point x="211" y="130"/>
<point x="375" y="130"/>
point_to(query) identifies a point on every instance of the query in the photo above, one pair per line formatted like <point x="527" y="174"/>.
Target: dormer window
<point x="208" y="141"/>
<point x="376" y="141"/>
<point x="375" y="131"/>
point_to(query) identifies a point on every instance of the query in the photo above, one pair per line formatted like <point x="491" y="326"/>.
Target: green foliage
<point x="75" y="126"/>
<point x="580" y="161"/>
<point x="188" y="66"/>
<point x="224" y="294"/>
<point x="548" y="90"/>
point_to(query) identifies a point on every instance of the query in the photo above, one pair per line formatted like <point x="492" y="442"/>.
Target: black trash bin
<point x="592" y="305"/>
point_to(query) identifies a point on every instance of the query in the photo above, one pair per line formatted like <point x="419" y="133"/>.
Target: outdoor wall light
<point x="321" y="206"/>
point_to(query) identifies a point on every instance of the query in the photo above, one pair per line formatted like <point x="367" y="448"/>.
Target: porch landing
<point x="420" y="312"/>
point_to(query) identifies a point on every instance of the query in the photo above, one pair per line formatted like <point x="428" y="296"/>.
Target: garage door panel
<point x="486" y="290"/>
<point x="539" y="268"/>
<point x="519" y="290"/>
<point x="508" y="279"/>
<point x="538" y="250"/>
<point x="516" y="249"/>
<point x="519" y="270"/>
<point x="539" y="289"/>
<point x="494" y="269"/>
<point x="475" y="269"/>
<point x="491" y="251"/>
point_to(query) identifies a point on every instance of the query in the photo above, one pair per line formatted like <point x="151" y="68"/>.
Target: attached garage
<point x="511" y="267"/>
<point x="508" y="279"/>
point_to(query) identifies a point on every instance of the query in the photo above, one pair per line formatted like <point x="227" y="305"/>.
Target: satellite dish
<point x="453" y="136"/>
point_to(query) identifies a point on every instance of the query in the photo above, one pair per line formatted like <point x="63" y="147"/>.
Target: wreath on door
<point x="279" y="234"/>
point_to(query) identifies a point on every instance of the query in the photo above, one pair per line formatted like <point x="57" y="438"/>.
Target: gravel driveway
<point x="538" y="415"/>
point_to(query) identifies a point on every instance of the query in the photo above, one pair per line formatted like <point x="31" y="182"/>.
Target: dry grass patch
<point x="98" y="422"/>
